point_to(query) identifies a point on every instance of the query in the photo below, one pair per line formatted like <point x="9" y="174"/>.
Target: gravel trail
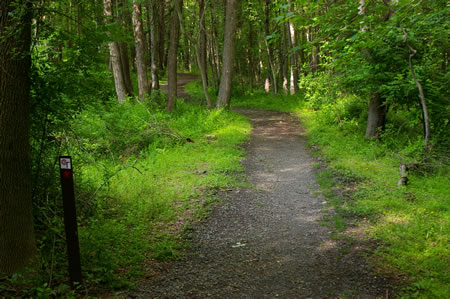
<point x="267" y="241"/>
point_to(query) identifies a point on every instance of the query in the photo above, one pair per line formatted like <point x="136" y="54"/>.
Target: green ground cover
<point x="410" y="223"/>
<point x="142" y="177"/>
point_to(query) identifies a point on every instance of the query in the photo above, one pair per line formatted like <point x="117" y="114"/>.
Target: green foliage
<point x="138" y="170"/>
<point x="411" y="223"/>
<point x="261" y="99"/>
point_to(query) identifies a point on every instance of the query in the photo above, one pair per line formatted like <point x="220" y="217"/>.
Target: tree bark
<point x="378" y="107"/>
<point x="224" y="97"/>
<point x="114" y="51"/>
<point x="154" y="47"/>
<point x="161" y="32"/>
<point x="426" y="120"/>
<point x="203" y="40"/>
<point x="124" y="15"/>
<point x="270" y="65"/>
<point x="172" y="56"/>
<point x="143" y="85"/>
<point x="376" y="116"/>
<point x="284" y="62"/>
<point x="293" y="65"/>
<point x="17" y="240"/>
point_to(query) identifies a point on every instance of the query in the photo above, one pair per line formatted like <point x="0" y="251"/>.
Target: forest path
<point x="182" y="80"/>
<point x="266" y="241"/>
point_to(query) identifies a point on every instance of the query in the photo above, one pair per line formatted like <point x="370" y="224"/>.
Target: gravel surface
<point x="267" y="241"/>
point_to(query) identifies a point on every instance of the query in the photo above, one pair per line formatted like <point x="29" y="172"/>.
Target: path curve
<point x="267" y="241"/>
<point x="182" y="80"/>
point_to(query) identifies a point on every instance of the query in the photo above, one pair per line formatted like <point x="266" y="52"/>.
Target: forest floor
<point x="269" y="239"/>
<point x="182" y="80"/>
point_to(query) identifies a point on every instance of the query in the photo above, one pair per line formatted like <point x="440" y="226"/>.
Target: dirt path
<point x="267" y="241"/>
<point x="182" y="80"/>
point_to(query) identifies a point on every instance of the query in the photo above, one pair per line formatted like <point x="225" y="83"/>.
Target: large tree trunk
<point x="377" y="104"/>
<point x="172" y="56"/>
<point x="124" y="15"/>
<point x="125" y="63"/>
<point x="17" y="241"/>
<point x="376" y="116"/>
<point x="224" y="97"/>
<point x="114" y="51"/>
<point x="144" y="87"/>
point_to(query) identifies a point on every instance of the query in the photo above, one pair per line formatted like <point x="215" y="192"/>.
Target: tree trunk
<point x="224" y="97"/>
<point x="426" y="119"/>
<point x="377" y="105"/>
<point x="203" y="39"/>
<point x="251" y="57"/>
<point x="376" y="116"/>
<point x="154" y="47"/>
<point x="161" y="32"/>
<point x="285" y="60"/>
<point x="123" y="48"/>
<point x="114" y="51"/>
<point x="144" y="87"/>
<point x="293" y="43"/>
<point x="172" y="56"/>
<point x="271" y="75"/>
<point x="17" y="240"/>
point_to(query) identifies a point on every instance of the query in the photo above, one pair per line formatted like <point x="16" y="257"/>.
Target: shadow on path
<point x="267" y="241"/>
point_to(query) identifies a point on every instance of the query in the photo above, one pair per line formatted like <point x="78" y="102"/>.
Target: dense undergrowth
<point x="409" y="223"/>
<point x="142" y="175"/>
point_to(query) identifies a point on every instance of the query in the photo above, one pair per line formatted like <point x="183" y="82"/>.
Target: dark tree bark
<point x="378" y="107"/>
<point x="224" y="97"/>
<point x="161" y="32"/>
<point x="203" y="39"/>
<point x="251" y="57"/>
<point x="376" y="116"/>
<point x="271" y="73"/>
<point x="426" y="119"/>
<point x="124" y="16"/>
<point x="172" y="56"/>
<point x="125" y="63"/>
<point x="143" y="85"/>
<point x="114" y="51"/>
<point x="154" y="46"/>
<point x="17" y="241"/>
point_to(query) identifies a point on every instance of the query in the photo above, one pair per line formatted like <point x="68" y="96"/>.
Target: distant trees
<point x="17" y="240"/>
<point x="172" y="55"/>
<point x="115" y="57"/>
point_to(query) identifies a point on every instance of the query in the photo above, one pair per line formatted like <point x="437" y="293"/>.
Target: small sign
<point x="65" y="163"/>
<point x="70" y="219"/>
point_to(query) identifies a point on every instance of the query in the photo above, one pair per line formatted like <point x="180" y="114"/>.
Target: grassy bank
<point x="410" y="223"/>
<point x="142" y="176"/>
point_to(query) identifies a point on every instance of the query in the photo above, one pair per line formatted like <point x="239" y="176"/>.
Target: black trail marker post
<point x="70" y="218"/>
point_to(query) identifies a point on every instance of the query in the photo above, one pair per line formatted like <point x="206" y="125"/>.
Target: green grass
<point x="411" y="224"/>
<point x="142" y="176"/>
